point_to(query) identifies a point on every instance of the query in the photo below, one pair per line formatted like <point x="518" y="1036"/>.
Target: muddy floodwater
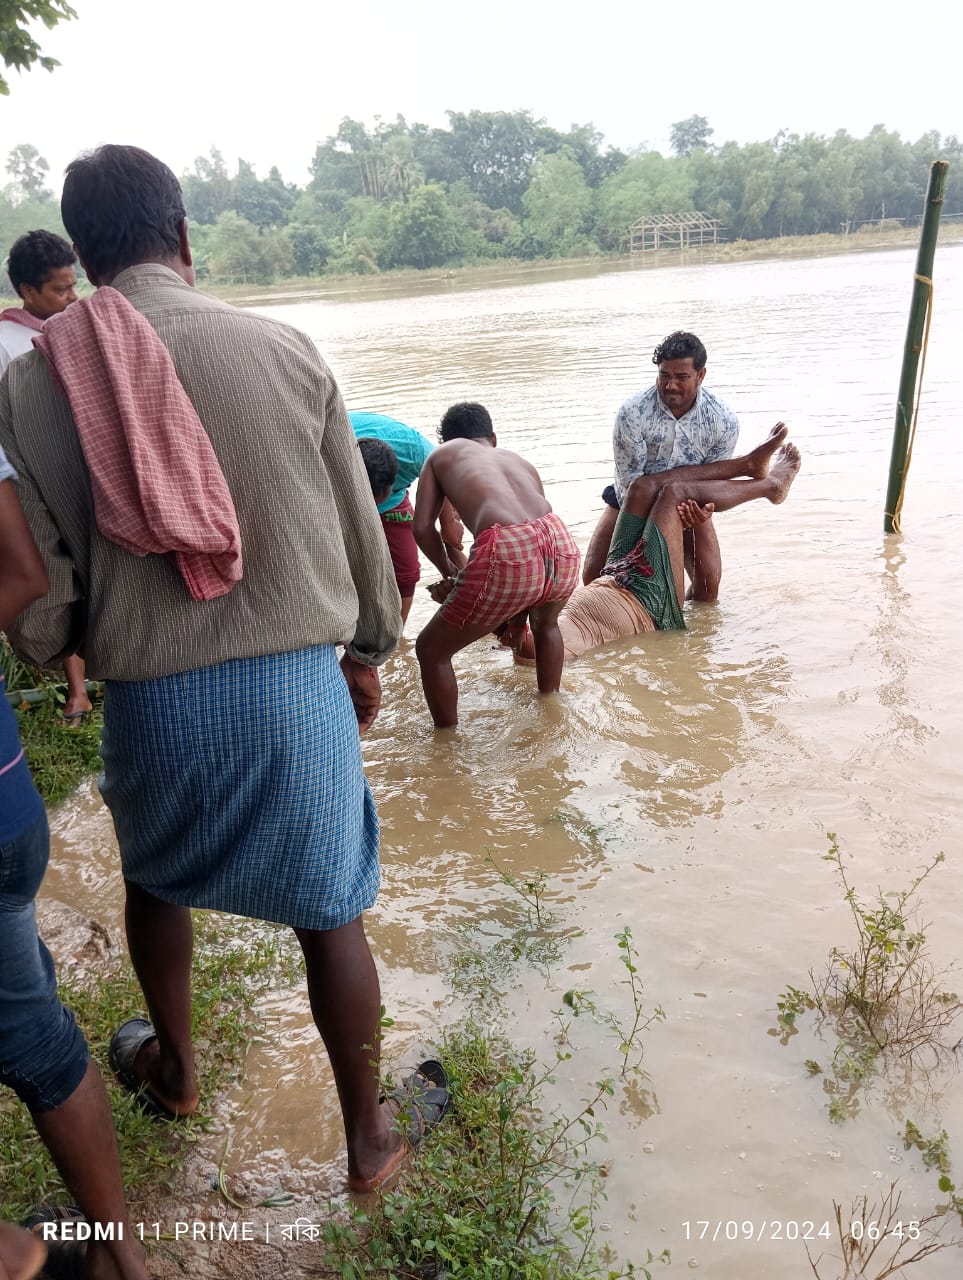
<point x="682" y="784"/>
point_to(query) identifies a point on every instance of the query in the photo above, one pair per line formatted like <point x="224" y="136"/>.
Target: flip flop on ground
<point x="75" y="719"/>
<point x="422" y="1102"/>
<point x="128" y="1040"/>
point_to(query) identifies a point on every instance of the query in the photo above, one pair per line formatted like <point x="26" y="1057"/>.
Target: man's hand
<point x="364" y="686"/>
<point x="512" y="632"/>
<point x="440" y="591"/>
<point x="452" y="534"/>
<point x="692" y="515"/>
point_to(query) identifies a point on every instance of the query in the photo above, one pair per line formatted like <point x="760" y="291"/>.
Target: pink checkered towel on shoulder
<point x="17" y="315"/>
<point x="157" y="484"/>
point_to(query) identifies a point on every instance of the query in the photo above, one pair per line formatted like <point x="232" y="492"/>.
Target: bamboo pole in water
<point x="920" y="308"/>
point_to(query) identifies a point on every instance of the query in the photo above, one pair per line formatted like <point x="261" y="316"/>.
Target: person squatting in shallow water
<point x="675" y="422"/>
<point x="266" y="554"/>
<point x="523" y="559"/>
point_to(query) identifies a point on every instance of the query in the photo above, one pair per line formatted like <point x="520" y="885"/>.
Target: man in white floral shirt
<point x="674" y="423"/>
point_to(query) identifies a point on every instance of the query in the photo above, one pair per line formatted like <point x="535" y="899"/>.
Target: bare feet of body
<point x="758" y="460"/>
<point x="784" y="471"/>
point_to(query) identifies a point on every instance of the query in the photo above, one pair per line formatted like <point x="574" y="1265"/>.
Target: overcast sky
<point x="267" y="81"/>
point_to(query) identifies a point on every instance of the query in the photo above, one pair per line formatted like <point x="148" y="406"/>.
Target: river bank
<point x="516" y="271"/>
<point x="513" y="272"/>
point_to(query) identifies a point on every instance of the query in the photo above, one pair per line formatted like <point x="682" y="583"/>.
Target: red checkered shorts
<point x="511" y="568"/>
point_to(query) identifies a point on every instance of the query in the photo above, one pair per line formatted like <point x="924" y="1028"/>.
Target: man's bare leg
<point x="549" y="649"/>
<point x="753" y="465"/>
<point x="79" y="1134"/>
<point x="160" y="937"/>
<point x="346" y="1004"/>
<point x="593" y="561"/>
<point x="723" y="495"/>
<point x="435" y="647"/>
<point x="719" y="495"/>
<point x="704" y="562"/>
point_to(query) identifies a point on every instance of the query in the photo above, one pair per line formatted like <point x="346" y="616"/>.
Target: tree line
<point x="500" y="184"/>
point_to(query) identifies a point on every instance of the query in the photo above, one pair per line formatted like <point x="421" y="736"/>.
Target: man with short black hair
<point x="208" y="531"/>
<point x="523" y="563"/>
<point x="42" y="271"/>
<point x="674" y="423"/>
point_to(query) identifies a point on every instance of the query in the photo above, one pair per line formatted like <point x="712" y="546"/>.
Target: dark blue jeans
<point x="43" y="1056"/>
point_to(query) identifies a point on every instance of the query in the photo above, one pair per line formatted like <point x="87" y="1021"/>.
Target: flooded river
<point x="682" y="784"/>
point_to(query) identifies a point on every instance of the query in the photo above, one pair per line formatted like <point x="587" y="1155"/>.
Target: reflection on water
<point x="681" y="784"/>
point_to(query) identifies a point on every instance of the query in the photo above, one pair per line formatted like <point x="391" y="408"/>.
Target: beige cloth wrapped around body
<point x="600" y="612"/>
<point x="592" y="615"/>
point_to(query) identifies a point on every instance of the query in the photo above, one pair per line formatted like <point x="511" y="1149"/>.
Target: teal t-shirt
<point x="410" y="446"/>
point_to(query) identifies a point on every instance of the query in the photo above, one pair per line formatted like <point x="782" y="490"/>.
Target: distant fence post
<point x="916" y="333"/>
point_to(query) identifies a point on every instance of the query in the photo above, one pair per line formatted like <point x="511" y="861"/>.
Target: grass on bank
<point x="234" y="962"/>
<point x="60" y="757"/>
<point x="506" y="1188"/>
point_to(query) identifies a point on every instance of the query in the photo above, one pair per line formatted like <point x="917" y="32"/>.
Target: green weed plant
<point x="60" y="757"/>
<point x="509" y="1187"/>
<point x="882" y="996"/>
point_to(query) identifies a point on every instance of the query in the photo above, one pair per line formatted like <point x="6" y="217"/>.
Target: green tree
<point x="485" y="233"/>
<point x="403" y="172"/>
<point x="29" y="170"/>
<point x="424" y="231"/>
<point x="584" y="142"/>
<point x="208" y="191"/>
<point x="239" y="252"/>
<point x="737" y="185"/>
<point x="18" y="48"/>
<point x="557" y="205"/>
<point x="686" y="136"/>
<point x="646" y="184"/>
<point x="364" y="243"/>
<point x="891" y="181"/>
<point x="309" y="248"/>
<point x="496" y="150"/>
<point x="265" y="203"/>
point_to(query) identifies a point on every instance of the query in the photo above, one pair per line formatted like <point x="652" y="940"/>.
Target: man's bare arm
<point x="428" y="506"/>
<point x="22" y="575"/>
<point x="452" y="534"/>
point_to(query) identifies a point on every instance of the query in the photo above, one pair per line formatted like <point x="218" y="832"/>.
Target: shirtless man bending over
<point x="642" y="584"/>
<point x="524" y="560"/>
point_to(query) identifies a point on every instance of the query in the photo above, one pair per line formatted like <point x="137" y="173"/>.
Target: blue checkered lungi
<point x="239" y="787"/>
